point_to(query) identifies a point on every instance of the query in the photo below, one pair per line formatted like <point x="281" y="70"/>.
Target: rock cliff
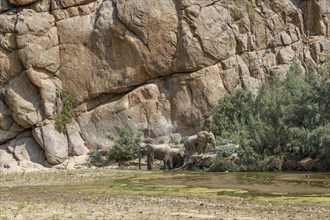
<point x="157" y="66"/>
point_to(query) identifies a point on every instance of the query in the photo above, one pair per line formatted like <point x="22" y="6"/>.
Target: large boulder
<point x="23" y="99"/>
<point x="77" y="145"/>
<point x="55" y="144"/>
<point x="26" y="148"/>
<point x="7" y="159"/>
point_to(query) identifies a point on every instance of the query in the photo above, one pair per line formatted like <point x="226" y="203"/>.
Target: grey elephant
<point x="177" y="156"/>
<point x="156" y="151"/>
<point x="198" y="143"/>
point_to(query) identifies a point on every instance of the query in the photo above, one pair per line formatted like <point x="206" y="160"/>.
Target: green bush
<point x="67" y="111"/>
<point x="284" y="123"/>
<point x="271" y="163"/>
<point x="126" y="147"/>
<point x="221" y="164"/>
<point x="95" y="156"/>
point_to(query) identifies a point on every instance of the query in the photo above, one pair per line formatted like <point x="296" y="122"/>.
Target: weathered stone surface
<point x="40" y="54"/>
<point x="73" y="34"/>
<point x="8" y="41"/>
<point x="6" y="120"/>
<point x="21" y="2"/>
<point x="154" y="23"/>
<point x="232" y="68"/>
<point x="156" y="66"/>
<point x="253" y="62"/>
<point x="74" y="162"/>
<point x="316" y="17"/>
<point x="190" y="56"/>
<point x="48" y="88"/>
<point x="160" y="108"/>
<point x="7" y="22"/>
<point x="320" y="49"/>
<point x="77" y="145"/>
<point x="7" y="159"/>
<point x="23" y="100"/>
<point x="37" y="135"/>
<point x="212" y="29"/>
<point x="80" y="10"/>
<point x="27" y="148"/>
<point x="285" y="55"/>
<point x="40" y="51"/>
<point x="5" y="5"/>
<point x="41" y="5"/>
<point x="69" y="3"/>
<point x="49" y="60"/>
<point x="10" y="64"/>
<point x="29" y="22"/>
<point x="126" y="55"/>
<point x="45" y="41"/>
<point x="6" y="135"/>
<point x="55" y="144"/>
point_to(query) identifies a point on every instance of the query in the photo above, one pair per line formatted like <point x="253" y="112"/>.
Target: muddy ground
<point x="118" y="194"/>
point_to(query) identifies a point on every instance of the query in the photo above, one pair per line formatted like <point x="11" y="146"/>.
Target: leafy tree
<point x="287" y="121"/>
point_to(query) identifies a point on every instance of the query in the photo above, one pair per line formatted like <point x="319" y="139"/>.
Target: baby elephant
<point x="159" y="152"/>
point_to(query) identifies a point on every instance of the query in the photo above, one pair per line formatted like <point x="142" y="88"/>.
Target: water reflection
<point x="266" y="183"/>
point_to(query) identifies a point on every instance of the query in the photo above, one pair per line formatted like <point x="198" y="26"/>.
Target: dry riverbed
<point x="131" y="194"/>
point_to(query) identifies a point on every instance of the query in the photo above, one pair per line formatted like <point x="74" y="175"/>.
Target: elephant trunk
<point x="139" y="160"/>
<point x="213" y="143"/>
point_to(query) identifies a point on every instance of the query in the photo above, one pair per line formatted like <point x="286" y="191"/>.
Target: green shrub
<point x="286" y="122"/>
<point x="221" y="164"/>
<point x="271" y="163"/>
<point x="67" y="111"/>
<point x="95" y="156"/>
<point x="126" y="147"/>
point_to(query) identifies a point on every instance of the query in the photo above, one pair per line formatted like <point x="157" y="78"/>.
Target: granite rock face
<point x="158" y="67"/>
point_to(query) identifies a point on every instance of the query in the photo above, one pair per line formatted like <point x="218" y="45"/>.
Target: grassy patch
<point x="250" y="10"/>
<point x="21" y="204"/>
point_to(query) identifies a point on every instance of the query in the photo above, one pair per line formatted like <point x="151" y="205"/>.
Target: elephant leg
<point x="150" y="161"/>
<point x="186" y="155"/>
<point x="139" y="162"/>
<point x="170" y="164"/>
<point x="164" y="164"/>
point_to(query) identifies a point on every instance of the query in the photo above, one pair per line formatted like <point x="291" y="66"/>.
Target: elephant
<point x="156" y="151"/>
<point x="198" y="143"/>
<point x="177" y="156"/>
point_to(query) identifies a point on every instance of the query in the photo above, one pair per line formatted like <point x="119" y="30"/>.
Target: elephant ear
<point x="181" y="153"/>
